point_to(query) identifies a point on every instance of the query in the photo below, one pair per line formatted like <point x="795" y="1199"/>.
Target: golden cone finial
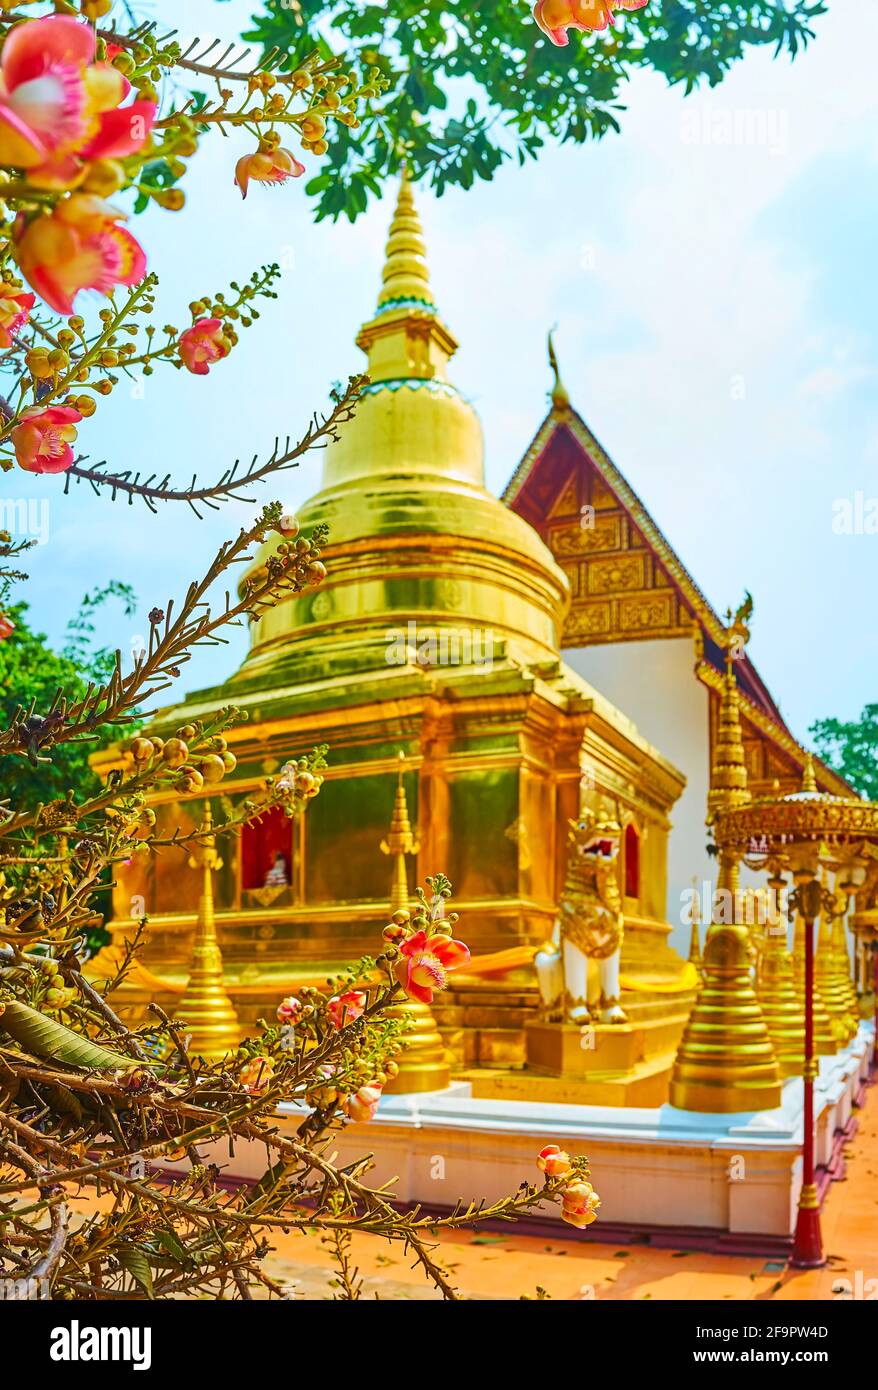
<point x="206" y="1011"/>
<point x="560" y="398"/>
<point x="809" y="781"/>
<point x="423" y="1065"/>
<point x="405" y="275"/>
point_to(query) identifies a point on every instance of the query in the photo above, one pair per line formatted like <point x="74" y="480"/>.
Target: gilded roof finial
<point x="809" y="781"/>
<point x="405" y="277"/>
<point x="560" y="398"/>
<point x="728" y="778"/>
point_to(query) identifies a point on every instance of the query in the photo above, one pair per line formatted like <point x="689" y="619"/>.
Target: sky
<point x="711" y="274"/>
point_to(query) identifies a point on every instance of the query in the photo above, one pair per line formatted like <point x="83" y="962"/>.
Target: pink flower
<point x="346" y="1008"/>
<point x="7" y="627"/>
<point x="15" y="306"/>
<point x="426" y="961"/>
<point x="58" y="107"/>
<point x="256" y="1075"/>
<point x="42" y="440"/>
<point x="555" y="17"/>
<point x="267" y="166"/>
<point x="78" y="246"/>
<point x="554" y="1162"/>
<point x="202" y="344"/>
<point x="579" y="1204"/>
<point x="288" y="1009"/>
<point x="362" y="1105"/>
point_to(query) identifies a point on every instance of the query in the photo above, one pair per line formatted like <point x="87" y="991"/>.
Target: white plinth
<point x="662" y="1167"/>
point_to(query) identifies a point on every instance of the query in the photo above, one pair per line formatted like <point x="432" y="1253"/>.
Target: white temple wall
<point x="654" y="683"/>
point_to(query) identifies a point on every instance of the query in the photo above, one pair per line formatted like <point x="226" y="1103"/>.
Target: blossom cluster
<point x="81" y="121"/>
<point x="555" y="17"/>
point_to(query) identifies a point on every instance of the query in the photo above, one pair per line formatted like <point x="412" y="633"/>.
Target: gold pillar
<point x="206" y="1012"/>
<point x="423" y="1065"/>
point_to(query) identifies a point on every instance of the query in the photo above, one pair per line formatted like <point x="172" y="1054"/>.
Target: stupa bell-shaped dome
<point x="414" y="535"/>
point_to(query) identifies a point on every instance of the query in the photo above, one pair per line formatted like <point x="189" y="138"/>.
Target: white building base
<point x="731" y="1178"/>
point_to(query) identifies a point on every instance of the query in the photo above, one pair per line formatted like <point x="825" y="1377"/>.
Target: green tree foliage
<point x="30" y="670"/>
<point x="851" y="747"/>
<point x="475" y="82"/>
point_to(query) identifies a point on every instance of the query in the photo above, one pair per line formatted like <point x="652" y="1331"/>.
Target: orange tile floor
<point x="501" y="1266"/>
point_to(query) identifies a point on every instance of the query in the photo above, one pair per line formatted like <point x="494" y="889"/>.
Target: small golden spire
<point x="695" y="934"/>
<point x="809" y="781"/>
<point x="405" y="275"/>
<point x="206" y="1011"/>
<point x="560" y="398"/>
<point x="423" y="1065"/>
<point x="399" y="843"/>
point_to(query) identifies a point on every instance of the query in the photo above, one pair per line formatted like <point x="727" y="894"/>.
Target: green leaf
<point x="134" y="1261"/>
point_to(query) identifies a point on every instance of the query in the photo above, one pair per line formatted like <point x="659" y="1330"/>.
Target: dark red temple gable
<point x="628" y="584"/>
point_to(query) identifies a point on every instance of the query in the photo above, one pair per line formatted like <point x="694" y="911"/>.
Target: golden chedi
<point x="205" y="1011"/>
<point x="828" y="978"/>
<point x="775" y="991"/>
<point x="438" y="631"/>
<point x="726" y="1061"/>
<point x="827" y="1038"/>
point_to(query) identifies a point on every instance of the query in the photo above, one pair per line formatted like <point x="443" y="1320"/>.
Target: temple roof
<point x="564" y="431"/>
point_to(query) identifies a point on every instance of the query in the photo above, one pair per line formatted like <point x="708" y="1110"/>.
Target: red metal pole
<point x="807" y="1250"/>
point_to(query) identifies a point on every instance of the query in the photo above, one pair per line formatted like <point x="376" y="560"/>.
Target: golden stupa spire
<point x="406" y="341"/>
<point x="560" y="398"/>
<point x="423" y="1064"/>
<point x="206" y="1011"/>
<point x="405" y="276"/>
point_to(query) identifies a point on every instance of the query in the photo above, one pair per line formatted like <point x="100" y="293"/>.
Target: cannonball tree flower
<point x="288" y="1009"/>
<point x="555" y="17"/>
<point x="554" y="1162"/>
<point x="425" y="963"/>
<point x="203" y="343"/>
<point x="78" y="246"/>
<point x="43" y="438"/>
<point x="579" y="1204"/>
<point x="15" y="306"/>
<point x="346" y="1008"/>
<point x="256" y="1074"/>
<point x="267" y="166"/>
<point x="58" y="107"/>
<point x="361" y="1106"/>
<point x="7" y="627"/>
